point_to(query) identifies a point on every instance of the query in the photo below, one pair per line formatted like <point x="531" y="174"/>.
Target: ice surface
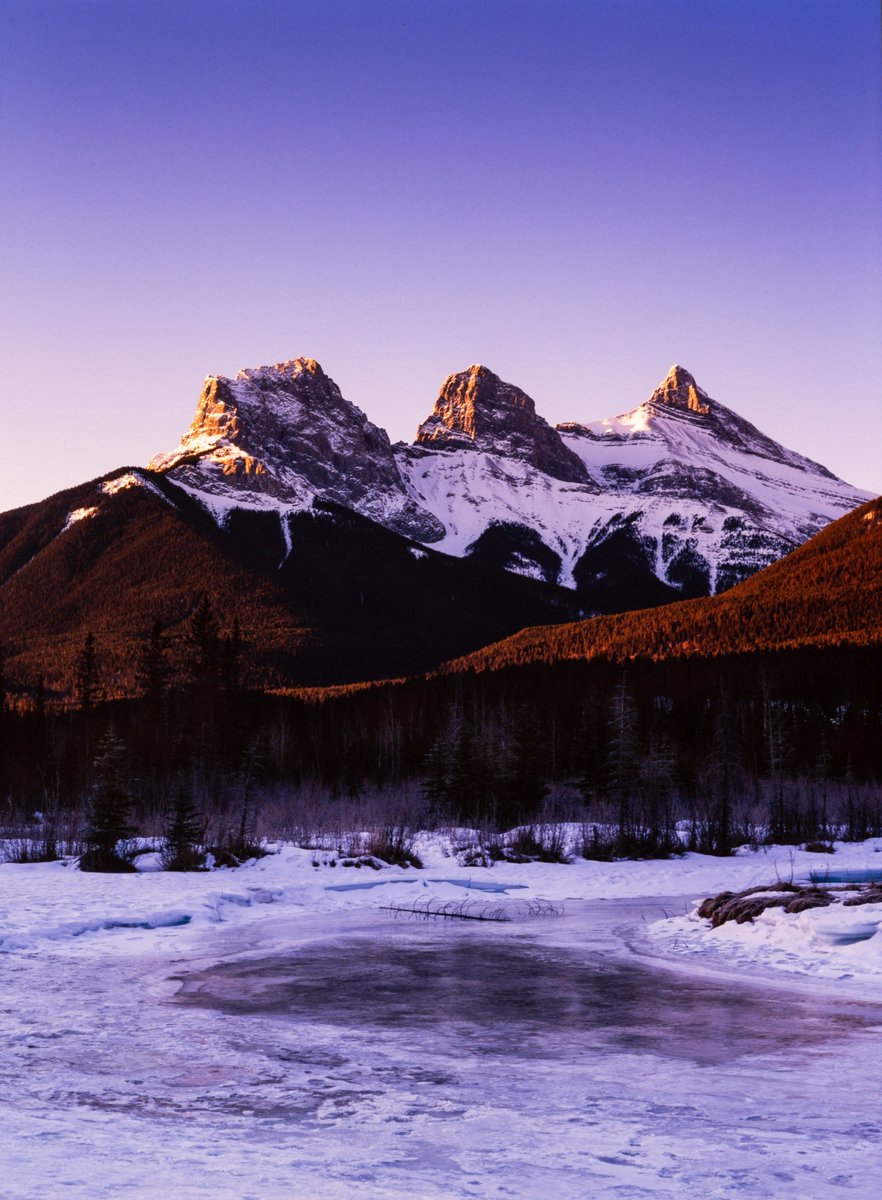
<point x="288" y="1040"/>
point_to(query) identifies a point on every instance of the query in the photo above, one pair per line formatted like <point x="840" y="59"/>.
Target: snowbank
<point x="78" y="913"/>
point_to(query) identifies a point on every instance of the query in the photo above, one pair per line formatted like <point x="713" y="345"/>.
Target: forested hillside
<point x="826" y="593"/>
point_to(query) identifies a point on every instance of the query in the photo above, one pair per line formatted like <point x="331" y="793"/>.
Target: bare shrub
<point x="538" y="843"/>
<point x="872" y="895"/>
<point x="751" y="902"/>
<point x="392" y="844"/>
<point x="42" y="838"/>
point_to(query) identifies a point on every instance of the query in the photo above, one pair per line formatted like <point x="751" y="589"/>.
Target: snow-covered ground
<point x="271" y="1031"/>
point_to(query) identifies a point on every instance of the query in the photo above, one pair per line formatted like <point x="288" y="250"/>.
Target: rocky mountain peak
<point x="679" y="390"/>
<point x="285" y="434"/>
<point x="476" y="410"/>
<point x="306" y="371"/>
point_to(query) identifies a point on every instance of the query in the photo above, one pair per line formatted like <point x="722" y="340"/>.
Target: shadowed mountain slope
<point x="828" y="592"/>
<point x="321" y="596"/>
<point x="677" y="498"/>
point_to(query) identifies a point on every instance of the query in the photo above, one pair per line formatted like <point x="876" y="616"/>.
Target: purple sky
<point x="577" y="194"/>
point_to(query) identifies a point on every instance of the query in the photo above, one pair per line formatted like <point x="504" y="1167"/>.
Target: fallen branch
<point x="473" y="910"/>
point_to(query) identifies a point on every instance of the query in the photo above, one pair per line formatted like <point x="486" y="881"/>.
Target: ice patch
<point x="75" y="929"/>
<point x="471" y="885"/>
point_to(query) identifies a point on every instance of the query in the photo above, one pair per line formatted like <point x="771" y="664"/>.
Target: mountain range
<point x="344" y="557"/>
<point x="826" y="594"/>
<point x="678" y="497"/>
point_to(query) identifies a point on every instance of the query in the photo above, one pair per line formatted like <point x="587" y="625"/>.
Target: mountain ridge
<point x="322" y="595"/>
<point x="825" y="593"/>
<point x="680" y="496"/>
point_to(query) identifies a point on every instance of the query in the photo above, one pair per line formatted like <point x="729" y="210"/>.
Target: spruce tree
<point x="184" y="832"/>
<point x="622" y="759"/>
<point x="203" y="639"/>
<point x="86" y="682"/>
<point x="524" y="786"/>
<point x="110" y="808"/>
<point x="153" y="670"/>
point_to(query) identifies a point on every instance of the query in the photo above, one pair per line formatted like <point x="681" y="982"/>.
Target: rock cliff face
<point x="678" y="390"/>
<point x="475" y="410"/>
<point x="676" y="498"/>
<point x="284" y="435"/>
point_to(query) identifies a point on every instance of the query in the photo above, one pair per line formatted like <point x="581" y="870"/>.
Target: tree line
<point x="646" y="756"/>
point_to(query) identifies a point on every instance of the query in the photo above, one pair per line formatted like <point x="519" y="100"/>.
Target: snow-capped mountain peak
<point x="679" y="390"/>
<point x="281" y="436"/>
<point x="476" y="410"/>
<point x="679" y="496"/>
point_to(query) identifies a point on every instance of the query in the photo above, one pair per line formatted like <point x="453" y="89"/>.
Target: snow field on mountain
<point x="674" y="469"/>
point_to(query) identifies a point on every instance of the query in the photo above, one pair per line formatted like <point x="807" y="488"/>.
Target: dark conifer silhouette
<point x="110" y="809"/>
<point x="86" y="689"/>
<point x="184" y="833"/>
<point x="203" y="642"/>
<point x="153" y="667"/>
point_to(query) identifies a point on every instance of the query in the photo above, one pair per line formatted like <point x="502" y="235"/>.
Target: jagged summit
<point x="291" y="371"/>
<point x="284" y="435"/>
<point x="679" y="496"/>
<point x="679" y="390"/>
<point x="476" y="410"/>
<point x="681" y="416"/>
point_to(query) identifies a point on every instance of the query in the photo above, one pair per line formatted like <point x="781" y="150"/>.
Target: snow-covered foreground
<point x="272" y="1032"/>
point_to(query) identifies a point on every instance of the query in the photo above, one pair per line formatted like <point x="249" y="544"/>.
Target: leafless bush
<point x="751" y="902"/>
<point x="391" y="844"/>
<point x="46" y="838"/>
<point x="538" y="843"/>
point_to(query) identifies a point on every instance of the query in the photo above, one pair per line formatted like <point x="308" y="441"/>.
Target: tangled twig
<point x="472" y="910"/>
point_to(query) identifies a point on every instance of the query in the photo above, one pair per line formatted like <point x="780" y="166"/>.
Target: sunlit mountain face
<point x="343" y="557"/>
<point x="679" y="497"/>
<point x="823" y="596"/>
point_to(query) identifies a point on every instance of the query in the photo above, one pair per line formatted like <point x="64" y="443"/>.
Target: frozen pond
<point x="351" y="1055"/>
<point x="511" y="995"/>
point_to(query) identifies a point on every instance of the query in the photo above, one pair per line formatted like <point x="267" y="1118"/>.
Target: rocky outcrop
<point x="678" y="390"/>
<point x="677" y="497"/>
<point x="476" y="410"/>
<point x="286" y="433"/>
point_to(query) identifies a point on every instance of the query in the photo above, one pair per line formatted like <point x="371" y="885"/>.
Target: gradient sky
<point x="577" y="194"/>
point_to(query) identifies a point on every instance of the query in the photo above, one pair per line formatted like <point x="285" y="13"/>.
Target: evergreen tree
<point x="524" y="787"/>
<point x="203" y="702"/>
<point x="86" y="680"/>
<point x="231" y="660"/>
<point x="153" y="668"/>
<point x="184" y="832"/>
<point x="110" y="808"/>
<point x="622" y="759"/>
<point x="203" y="640"/>
<point x="724" y="778"/>
<point x="243" y="844"/>
<point x="435" y="773"/>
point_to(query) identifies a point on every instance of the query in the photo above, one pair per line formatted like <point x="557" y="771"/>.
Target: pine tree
<point x="622" y="759"/>
<point x="435" y="773"/>
<point x="231" y="660"/>
<point x="724" y="777"/>
<point x="524" y="787"/>
<point x="110" y="808"/>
